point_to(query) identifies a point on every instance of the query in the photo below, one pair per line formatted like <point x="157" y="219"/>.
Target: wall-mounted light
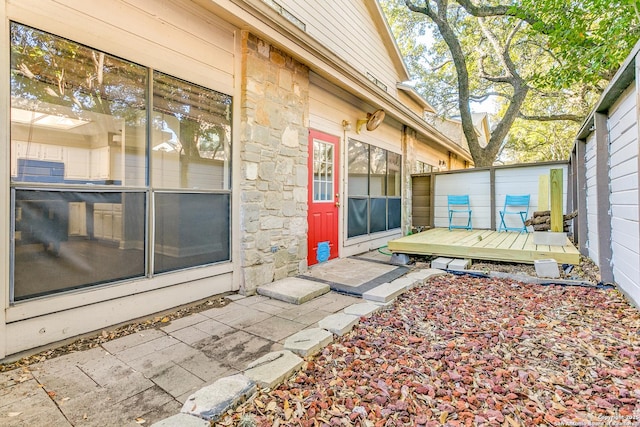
<point x="346" y="125"/>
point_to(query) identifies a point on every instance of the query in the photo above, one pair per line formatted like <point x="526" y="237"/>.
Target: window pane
<point x="358" y="169"/>
<point x="394" y="212"/>
<point x="190" y="230"/>
<point x="378" y="171"/>
<point x="77" y="114"/>
<point x="393" y="176"/>
<point x="68" y="240"/>
<point x="191" y="130"/>
<point x="357" y="217"/>
<point x="322" y="171"/>
<point x="378" y="215"/>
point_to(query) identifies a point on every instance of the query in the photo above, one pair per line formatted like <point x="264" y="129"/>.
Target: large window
<point x="374" y="203"/>
<point x="108" y="156"/>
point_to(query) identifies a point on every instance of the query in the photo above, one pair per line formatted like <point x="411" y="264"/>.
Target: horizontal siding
<point x="623" y="184"/>
<point x="476" y="184"/>
<point x="347" y="29"/>
<point x="592" y="243"/>
<point x="330" y="105"/>
<point x="520" y="181"/>
<point x="177" y="37"/>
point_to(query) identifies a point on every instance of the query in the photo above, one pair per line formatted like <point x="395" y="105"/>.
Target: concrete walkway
<point x="147" y="377"/>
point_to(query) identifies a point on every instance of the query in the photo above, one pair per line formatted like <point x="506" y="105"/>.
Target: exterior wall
<point x="177" y="38"/>
<point x="409" y="158"/>
<point x="477" y="184"/>
<point x="360" y="45"/>
<point x="623" y="178"/>
<point x="525" y="180"/>
<point x="431" y="155"/>
<point x="487" y="189"/>
<point x="328" y="107"/>
<point x="273" y="150"/>
<point x="592" y="243"/>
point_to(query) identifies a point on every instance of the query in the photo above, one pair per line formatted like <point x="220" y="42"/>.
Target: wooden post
<point x="556" y="200"/>
<point x="543" y="193"/>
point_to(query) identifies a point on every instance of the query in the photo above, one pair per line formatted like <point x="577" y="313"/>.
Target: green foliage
<point x="564" y="51"/>
<point x="589" y="38"/>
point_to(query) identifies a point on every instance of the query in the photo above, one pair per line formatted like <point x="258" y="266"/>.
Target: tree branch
<point x="554" y="117"/>
<point x="498" y="10"/>
<point x="487" y="95"/>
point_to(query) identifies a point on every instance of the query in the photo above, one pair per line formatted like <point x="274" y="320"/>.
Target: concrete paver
<point x="148" y="375"/>
<point x="272" y="368"/>
<point x="212" y="401"/>
<point x="308" y="341"/>
<point x="274" y="329"/>
<point x="294" y="290"/>
<point x="339" y="323"/>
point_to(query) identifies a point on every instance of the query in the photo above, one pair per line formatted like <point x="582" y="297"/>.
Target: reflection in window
<point x="374" y="189"/>
<point x="190" y="230"/>
<point x="422" y="167"/>
<point x="79" y="130"/>
<point x="77" y="114"/>
<point x="191" y="130"/>
<point x="322" y="171"/>
<point x="71" y="239"/>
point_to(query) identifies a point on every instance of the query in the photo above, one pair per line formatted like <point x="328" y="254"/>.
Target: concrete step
<point x="293" y="290"/>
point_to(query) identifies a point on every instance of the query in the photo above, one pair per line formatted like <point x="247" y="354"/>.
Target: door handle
<point x="337" y="204"/>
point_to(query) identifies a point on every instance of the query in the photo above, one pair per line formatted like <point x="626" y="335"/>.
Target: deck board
<point x="483" y="244"/>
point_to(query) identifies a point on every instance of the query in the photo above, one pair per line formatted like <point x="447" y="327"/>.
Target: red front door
<point x="324" y="197"/>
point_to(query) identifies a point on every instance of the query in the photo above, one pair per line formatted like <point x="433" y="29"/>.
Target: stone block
<point x="459" y="264"/>
<point x="214" y="400"/>
<point x="549" y="238"/>
<point x="441" y="263"/>
<point x="308" y="341"/>
<point x="339" y="323"/>
<point x="273" y="368"/>
<point x="385" y="292"/>
<point x="399" y="259"/>
<point x="547" y="268"/>
<point x="363" y="309"/>
<point x="407" y="282"/>
<point x="182" y="420"/>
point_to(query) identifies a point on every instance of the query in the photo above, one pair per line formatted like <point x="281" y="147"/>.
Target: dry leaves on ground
<point x="94" y="341"/>
<point x="471" y="351"/>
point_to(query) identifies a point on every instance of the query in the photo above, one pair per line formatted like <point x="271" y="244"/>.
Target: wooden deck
<point x="483" y="244"/>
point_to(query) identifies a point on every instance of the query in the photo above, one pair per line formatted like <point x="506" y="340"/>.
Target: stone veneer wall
<point x="409" y="157"/>
<point x="273" y="151"/>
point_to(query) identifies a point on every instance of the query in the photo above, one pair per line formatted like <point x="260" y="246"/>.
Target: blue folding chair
<point x="515" y="205"/>
<point x="459" y="204"/>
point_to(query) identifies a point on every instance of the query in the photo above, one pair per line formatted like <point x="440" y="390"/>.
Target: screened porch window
<point x="374" y="187"/>
<point x="96" y="173"/>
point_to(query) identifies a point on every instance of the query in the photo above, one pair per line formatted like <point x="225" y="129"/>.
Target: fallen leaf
<point x="140" y="420"/>
<point x="13" y="414"/>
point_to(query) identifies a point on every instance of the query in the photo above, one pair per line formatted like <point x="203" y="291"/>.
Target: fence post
<point x="556" y="200"/>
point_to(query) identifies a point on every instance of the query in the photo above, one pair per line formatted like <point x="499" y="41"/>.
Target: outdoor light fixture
<point x="372" y="121"/>
<point x="346" y="125"/>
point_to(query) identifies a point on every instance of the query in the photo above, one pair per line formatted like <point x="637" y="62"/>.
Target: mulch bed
<point x="466" y="351"/>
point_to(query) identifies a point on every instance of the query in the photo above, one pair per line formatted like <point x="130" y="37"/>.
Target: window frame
<point x="148" y="190"/>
